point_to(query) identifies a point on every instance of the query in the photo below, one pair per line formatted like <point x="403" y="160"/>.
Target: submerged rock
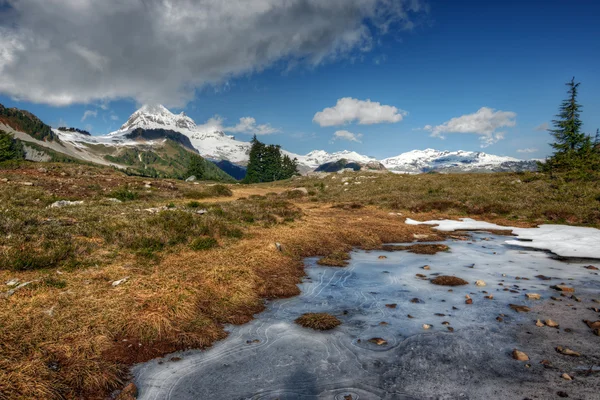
<point x="519" y="355"/>
<point x="533" y="296"/>
<point x="378" y="341"/>
<point x="519" y="308"/>
<point x="562" y="288"/>
<point x="567" y="352"/>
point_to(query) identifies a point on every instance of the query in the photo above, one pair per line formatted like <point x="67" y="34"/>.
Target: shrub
<point x="124" y="194"/>
<point x="204" y="243"/>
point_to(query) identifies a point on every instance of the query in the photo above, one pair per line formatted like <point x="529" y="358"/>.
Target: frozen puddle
<point x="273" y="358"/>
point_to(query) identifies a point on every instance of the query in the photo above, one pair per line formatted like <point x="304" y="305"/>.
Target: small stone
<point x="421" y="276"/>
<point x="562" y="288"/>
<point x="533" y="296"/>
<point x="426" y="326"/>
<point x="426" y="267"/>
<point x="519" y="308"/>
<point x="539" y="323"/>
<point x="577" y="299"/>
<point x="499" y="319"/>
<point x="417" y="301"/>
<point x="591" y="267"/>
<point x="480" y="283"/>
<point x="378" y="341"/>
<point x="450" y="329"/>
<point x="566" y="377"/>
<point x="175" y="359"/>
<point x="543" y="277"/>
<point x="391" y="305"/>
<point x="469" y="301"/>
<point x="13" y="282"/>
<point x="551" y="323"/>
<point x="382" y="257"/>
<point x="567" y="352"/>
<point x="410" y="316"/>
<point x="445" y="323"/>
<point x="120" y="281"/>
<point x="490" y="297"/>
<point x="519" y="355"/>
<point x="592" y="325"/>
<point x="439" y="315"/>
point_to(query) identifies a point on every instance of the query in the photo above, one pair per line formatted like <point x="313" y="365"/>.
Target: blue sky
<point x="460" y="56"/>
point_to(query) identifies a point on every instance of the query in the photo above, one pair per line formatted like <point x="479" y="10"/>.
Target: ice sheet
<point x="273" y="358"/>
<point x="563" y="240"/>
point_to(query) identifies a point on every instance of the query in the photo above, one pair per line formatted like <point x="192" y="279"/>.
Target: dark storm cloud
<point x="61" y="52"/>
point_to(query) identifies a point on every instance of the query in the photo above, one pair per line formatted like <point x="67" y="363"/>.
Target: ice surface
<point x="562" y="240"/>
<point x="273" y="358"/>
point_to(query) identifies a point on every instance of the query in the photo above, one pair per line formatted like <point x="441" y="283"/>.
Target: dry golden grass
<point x="318" y="321"/>
<point x="73" y="335"/>
<point x="417" y="248"/>
<point x="335" y="259"/>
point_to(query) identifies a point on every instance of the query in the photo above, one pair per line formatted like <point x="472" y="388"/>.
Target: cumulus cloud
<point x="345" y="135"/>
<point x="529" y="150"/>
<point x="485" y="122"/>
<point x="61" y="52"/>
<point x="542" y="127"/>
<point x="248" y="125"/>
<point x="88" y="114"/>
<point x="365" y="112"/>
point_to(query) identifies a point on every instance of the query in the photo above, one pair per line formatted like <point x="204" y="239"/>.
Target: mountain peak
<point x="157" y="116"/>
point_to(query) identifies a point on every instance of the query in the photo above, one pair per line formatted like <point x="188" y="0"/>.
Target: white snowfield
<point x="562" y="240"/>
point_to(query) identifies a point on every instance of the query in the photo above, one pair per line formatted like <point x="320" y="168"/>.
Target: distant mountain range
<point x="151" y="129"/>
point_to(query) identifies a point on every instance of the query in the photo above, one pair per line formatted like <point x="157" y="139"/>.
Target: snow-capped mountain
<point x="211" y="142"/>
<point x="418" y="161"/>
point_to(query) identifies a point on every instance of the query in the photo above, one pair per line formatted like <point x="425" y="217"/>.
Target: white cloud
<point x="345" y="135"/>
<point x="162" y="51"/>
<point x="248" y="125"/>
<point x="542" y="127"/>
<point x="114" y="117"/>
<point x="485" y="123"/>
<point x="529" y="150"/>
<point x="365" y="112"/>
<point x="88" y="114"/>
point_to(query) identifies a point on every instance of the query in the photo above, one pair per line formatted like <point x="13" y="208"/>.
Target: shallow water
<point x="273" y="358"/>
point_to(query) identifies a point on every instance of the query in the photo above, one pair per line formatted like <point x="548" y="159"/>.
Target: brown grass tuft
<point x="318" y="321"/>
<point x="335" y="259"/>
<point x="417" y="248"/>
<point x="445" y="280"/>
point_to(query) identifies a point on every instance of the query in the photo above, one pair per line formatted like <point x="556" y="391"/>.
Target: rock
<point x="539" y="323"/>
<point x="426" y="326"/>
<point x="426" y="267"/>
<point x="567" y="352"/>
<point x="450" y="329"/>
<point x="202" y="211"/>
<point x="9" y="293"/>
<point x="129" y="392"/>
<point x="391" y="305"/>
<point x="562" y="288"/>
<point x="480" y="283"/>
<point x="42" y="170"/>
<point x="551" y="323"/>
<point x="410" y="316"/>
<point x="533" y="296"/>
<point x="191" y="178"/>
<point x="378" y="341"/>
<point x="566" y="377"/>
<point x="27" y="183"/>
<point x="4" y="180"/>
<point x="301" y="189"/>
<point x="519" y="355"/>
<point x="13" y="282"/>
<point x="382" y="257"/>
<point x="519" y="308"/>
<point x="113" y="200"/>
<point x="65" y="203"/>
<point x="278" y="246"/>
<point x="592" y="325"/>
<point x="591" y="267"/>
<point x="421" y="276"/>
<point x="120" y="281"/>
<point x="416" y="301"/>
<point x="543" y="277"/>
<point x="417" y="235"/>
<point x="490" y="297"/>
<point x="469" y="301"/>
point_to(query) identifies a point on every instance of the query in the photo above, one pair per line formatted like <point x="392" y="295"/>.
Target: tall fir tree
<point x="573" y="149"/>
<point x="10" y="149"/>
<point x="196" y="167"/>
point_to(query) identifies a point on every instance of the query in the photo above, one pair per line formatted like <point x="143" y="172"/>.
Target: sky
<point x="380" y="77"/>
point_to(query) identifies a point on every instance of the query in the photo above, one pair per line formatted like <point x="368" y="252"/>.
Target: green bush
<point x="124" y="194"/>
<point x="204" y="243"/>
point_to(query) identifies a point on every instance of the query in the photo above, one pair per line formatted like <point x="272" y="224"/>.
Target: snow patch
<point x="562" y="240"/>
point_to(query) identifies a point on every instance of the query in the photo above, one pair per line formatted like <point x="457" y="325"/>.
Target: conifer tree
<point x="10" y="149"/>
<point x="266" y="164"/>
<point x="574" y="149"/>
<point x="196" y="167"/>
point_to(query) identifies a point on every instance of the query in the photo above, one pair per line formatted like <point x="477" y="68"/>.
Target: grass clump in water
<point x="445" y="280"/>
<point x="318" y="321"/>
<point x="335" y="259"/>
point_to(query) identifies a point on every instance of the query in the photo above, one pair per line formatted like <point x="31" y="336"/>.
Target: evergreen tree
<point x="10" y="149"/>
<point x="196" y="167"/>
<point x="574" y="149"/>
<point x="266" y="164"/>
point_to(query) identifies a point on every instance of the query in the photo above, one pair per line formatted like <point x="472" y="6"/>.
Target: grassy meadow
<point x="144" y="267"/>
